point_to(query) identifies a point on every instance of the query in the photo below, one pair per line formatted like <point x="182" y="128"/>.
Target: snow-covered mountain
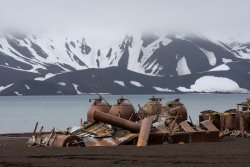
<point x="59" y="63"/>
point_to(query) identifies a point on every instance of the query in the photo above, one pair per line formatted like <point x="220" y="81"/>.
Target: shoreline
<point x="230" y="151"/>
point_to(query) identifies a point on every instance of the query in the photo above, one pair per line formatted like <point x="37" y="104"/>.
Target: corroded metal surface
<point x="96" y="129"/>
<point x="56" y="140"/>
<point x="116" y="121"/>
<point x="176" y="107"/>
<point x="211" y="115"/>
<point x="123" y="110"/>
<point x="97" y="105"/>
<point x="110" y="141"/>
<point x="144" y="131"/>
<point x="156" y="124"/>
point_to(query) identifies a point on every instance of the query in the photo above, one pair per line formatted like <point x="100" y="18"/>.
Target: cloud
<point x="214" y="18"/>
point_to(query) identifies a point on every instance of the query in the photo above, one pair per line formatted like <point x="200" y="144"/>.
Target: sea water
<point x="20" y="113"/>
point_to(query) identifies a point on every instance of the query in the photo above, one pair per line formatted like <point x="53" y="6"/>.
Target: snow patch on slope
<point x="226" y="60"/>
<point x="235" y="49"/>
<point x="162" y="89"/>
<point x="18" y="94"/>
<point x="135" y="83"/>
<point x="78" y="92"/>
<point x="5" y="87"/>
<point x="27" y="86"/>
<point x="120" y="83"/>
<point x="182" y="67"/>
<point x="49" y="75"/>
<point x="148" y="51"/>
<point x="214" y="84"/>
<point x="210" y="56"/>
<point x="222" y="67"/>
<point x="61" y="83"/>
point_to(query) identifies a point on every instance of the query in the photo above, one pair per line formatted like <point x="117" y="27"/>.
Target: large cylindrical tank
<point x="174" y="107"/>
<point x="123" y="110"/>
<point x="152" y="107"/>
<point x="244" y="122"/>
<point x="211" y="115"/>
<point x="229" y="119"/>
<point x="99" y="106"/>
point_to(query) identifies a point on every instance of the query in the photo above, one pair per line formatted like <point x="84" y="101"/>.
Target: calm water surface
<point x="20" y="113"/>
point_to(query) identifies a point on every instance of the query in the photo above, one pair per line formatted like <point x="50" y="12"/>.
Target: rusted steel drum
<point x="243" y="122"/>
<point x="97" y="105"/>
<point x="174" y="107"/>
<point x="229" y="119"/>
<point x="210" y="115"/>
<point x="244" y="116"/>
<point x="123" y="110"/>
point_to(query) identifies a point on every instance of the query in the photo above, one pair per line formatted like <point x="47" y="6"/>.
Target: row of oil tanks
<point x="232" y="119"/>
<point x="124" y="109"/>
<point x="121" y="115"/>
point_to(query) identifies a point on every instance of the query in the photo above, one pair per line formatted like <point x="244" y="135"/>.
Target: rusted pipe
<point x="52" y="132"/>
<point x="144" y="132"/>
<point x="40" y="131"/>
<point x="174" y="121"/>
<point x="35" y="129"/>
<point x="116" y="121"/>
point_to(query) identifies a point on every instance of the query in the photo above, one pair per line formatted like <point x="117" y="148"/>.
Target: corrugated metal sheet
<point x="109" y="141"/>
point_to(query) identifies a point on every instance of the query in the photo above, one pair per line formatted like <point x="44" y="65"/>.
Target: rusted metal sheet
<point x="96" y="129"/>
<point x="116" y="121"/>
<point x="211" y="115"/>
<point x="212" y="132"/>
<point x="56" y="140"/>
<point x="162" y="129"/>
<point x="185" y="126"/>
<point x="210" y="126"/>
<point x="110" y="141"/>
<point x="144" y="132"/>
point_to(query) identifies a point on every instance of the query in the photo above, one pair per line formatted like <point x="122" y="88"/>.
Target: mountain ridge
<point x="175" y="58"/>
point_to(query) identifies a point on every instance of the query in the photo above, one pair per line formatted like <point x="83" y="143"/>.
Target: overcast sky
<point x="213" y="18"/>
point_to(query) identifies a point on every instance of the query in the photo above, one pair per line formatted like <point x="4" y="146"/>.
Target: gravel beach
<point x="230" y="151"/>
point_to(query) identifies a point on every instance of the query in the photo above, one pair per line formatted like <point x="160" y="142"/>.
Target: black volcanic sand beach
<point x="230" y="151"/>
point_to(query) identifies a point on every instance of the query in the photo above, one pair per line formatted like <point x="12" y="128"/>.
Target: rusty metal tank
<point x="176" y="107"/>
<point x="99" y="106"/>
<point x="244" y="121"/>
<point x="229" y="120"/>
<point x="152" y="107"/>
<point x="244" y="116"/>
<point x="123" y="110"/>
<point x="211" y="115"/>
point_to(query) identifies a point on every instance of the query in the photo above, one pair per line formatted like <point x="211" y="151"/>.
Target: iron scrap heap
<point x="121" y="124"/>
<point x="232" y="122"/>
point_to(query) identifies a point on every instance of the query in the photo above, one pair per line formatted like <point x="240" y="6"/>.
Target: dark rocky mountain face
<point x="150" y="63"/>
